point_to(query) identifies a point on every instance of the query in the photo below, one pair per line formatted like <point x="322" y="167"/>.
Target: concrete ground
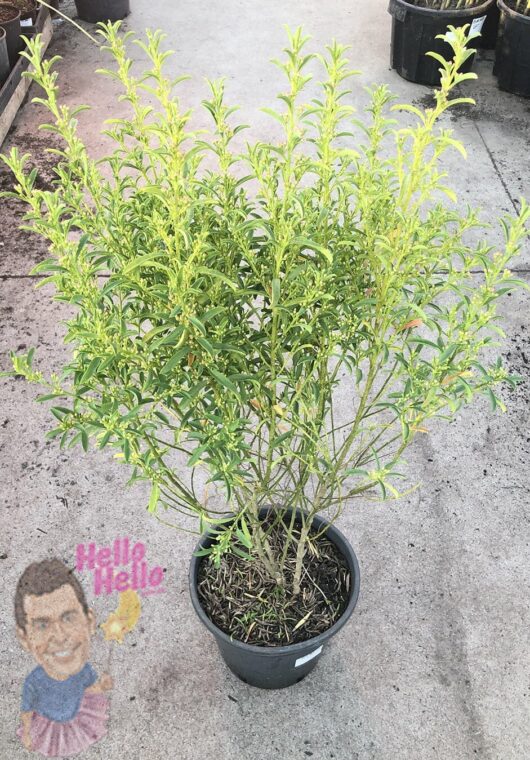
<point x="434" y="663"/>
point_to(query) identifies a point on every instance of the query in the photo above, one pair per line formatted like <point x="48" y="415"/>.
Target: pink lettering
<point x="116" y="549"/>
<point x="103" y="578"/>
<point x="121" y="581"/>
<point x="103" y="557"/>
<point x="138" y="573"/>
<point x="156" y="576"/>
<point x="82" y="556"/>
<point x="105" y="561"/>
<point x="138" y="552"/>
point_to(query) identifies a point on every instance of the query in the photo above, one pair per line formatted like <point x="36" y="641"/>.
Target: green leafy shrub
<point x="218" y="303"/>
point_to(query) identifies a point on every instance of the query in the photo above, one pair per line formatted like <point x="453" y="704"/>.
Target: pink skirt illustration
<point x="54" y="739"/>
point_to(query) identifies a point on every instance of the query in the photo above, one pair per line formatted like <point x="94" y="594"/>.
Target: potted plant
<point x="10" y="22"/>
<point x="28" y="9"/>
<point x="220" y="295"/>
<point x="416" y="29"/>
<point x="102" y="10"/>
<point x="512" y="57"/>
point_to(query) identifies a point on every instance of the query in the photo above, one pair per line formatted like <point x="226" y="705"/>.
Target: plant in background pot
<point x="222" y="295"/>
<point x="417" y="26"/>
<point x="512" y="57"/>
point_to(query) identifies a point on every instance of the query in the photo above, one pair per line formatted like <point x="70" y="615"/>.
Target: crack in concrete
<point x="495" y="167"/>
<point x="450" y="635"/>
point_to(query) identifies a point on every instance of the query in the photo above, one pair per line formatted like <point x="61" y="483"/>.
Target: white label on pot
<point x="302" y="660"/>
<point x="476" y="26"/>
<point x="26" y="22"/>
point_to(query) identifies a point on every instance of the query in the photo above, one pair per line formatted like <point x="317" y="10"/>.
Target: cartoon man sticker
<point x="64" y="706"/>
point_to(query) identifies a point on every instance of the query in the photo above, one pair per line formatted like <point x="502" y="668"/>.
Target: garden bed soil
<point x="20" y="249"/>
<point x="244" y="603"/>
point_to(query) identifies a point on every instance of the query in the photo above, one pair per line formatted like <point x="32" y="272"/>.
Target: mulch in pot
<point x="243" y="602"/>
<point x="7" y="12"/>
<point x="26" y="7"/>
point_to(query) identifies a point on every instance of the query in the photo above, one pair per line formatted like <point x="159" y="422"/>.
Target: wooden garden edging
<point x="16" y="86"/>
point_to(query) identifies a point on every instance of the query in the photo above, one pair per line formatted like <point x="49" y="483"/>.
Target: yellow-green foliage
<point x="217" y="308"/>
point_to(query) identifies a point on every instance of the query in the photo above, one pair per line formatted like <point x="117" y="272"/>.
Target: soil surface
<point x="20" y="249"/>
<point x="241" y="600"/>
<point x="7" y="14"/>
<point x="24" y="6"/>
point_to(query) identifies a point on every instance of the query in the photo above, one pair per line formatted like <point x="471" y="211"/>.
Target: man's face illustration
<point x="57" y="632"/>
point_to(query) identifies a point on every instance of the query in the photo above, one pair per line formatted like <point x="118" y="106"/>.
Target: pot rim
<point x="33" y="3"/>
<point x="512" y="13"/>
<point x="455" y="13"/>
<point x="13" y="8"/>
<point x="300" y="646"/>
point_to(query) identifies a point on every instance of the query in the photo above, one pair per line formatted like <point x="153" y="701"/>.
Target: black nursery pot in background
<point x="11" y="23"/>
<point x="488" y="37"/>
<point x="5" y="66"/>
<point x="414" y="32"/>
<point x="276" y="667"/>
<point x="102" y="10"/>
<point x="512" y="58"/>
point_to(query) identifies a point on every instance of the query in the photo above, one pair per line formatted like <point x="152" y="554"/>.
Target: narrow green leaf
<point x="240" y="553"/>
<point x="275" y="292"/>
<point x="174" y="360"/>
<point x="153" y="498"/>
<point x="192" y="461"/>
<point x="223" y="379"/>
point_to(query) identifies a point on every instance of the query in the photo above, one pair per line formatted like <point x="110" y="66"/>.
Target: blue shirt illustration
<point x="56" y="700"/>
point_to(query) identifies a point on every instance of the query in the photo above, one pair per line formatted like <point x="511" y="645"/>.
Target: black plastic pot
<point x="490" y="30"/>
<point x="29" y="12"/>
<point x="102" y="10"/>
<point x="414" y="32"/>
<point x="277" y="667"/>
<point x="512" y="57"/>
<point x="13" y="31"/>
<point x="5" y="66"/>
